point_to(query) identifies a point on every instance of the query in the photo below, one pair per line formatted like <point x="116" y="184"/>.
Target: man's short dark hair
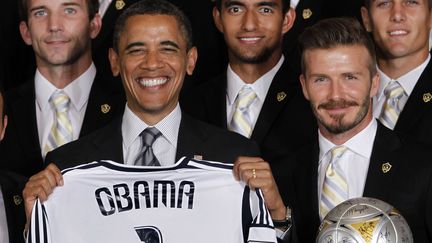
<point x="285" y="5"/>
<point x="334" y="32"/>
<point x="153" y="7"/>
<point x="368" y="2"/>
<point x="92" y="7"/>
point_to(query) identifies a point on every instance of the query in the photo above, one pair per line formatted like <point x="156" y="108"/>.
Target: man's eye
<point x="319" y="79"/>
<point x="70" y="10"/>
<point x="234" y="9"/>
<point x="40" y="13"/>
<point x="266" y="10"/>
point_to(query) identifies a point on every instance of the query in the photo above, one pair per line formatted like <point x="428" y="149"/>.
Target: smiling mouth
<point x="398" y="32"/>
<point x="151" y="82"/>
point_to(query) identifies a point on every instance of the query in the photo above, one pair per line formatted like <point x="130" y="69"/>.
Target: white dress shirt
<point x="165" y="146"/>
<point x="354" y="162"/>
<point x="260" y="87"/>
<point x="78" y="92"/>
<point x="407" y="81"/>
<point x="103" y="6"/>
<point x="4" y="234"/>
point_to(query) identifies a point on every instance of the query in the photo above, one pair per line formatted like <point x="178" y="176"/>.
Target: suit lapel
<point x="417" y="104"/>
<point x="190" y="138"/>
<point x="24" y="113"/>
<point x="280" y="92"/>
<point x="109" y="143"/>
<point x="382" y="154"/>
<point x="103" y="104"/>
<point x="215" y="102"/>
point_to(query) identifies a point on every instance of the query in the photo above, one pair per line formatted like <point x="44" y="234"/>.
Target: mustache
<point x="335" y="104"/>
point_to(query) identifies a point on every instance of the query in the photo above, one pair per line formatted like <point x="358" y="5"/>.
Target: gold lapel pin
<point x="120" y="4"/>
<point x="307" y="13"/>
<point x="427" y="97"/>
<point x="105" y="108"/>
<point x="17" y="199"/>
<point x="386" y="167"/>
<point x="281" y="96"/>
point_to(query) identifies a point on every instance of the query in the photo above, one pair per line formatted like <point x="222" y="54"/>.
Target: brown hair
<point x="333" y="32"/>
<point x="92" y="7"/>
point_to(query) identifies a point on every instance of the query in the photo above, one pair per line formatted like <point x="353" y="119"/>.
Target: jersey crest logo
<point x="149" y="234"/>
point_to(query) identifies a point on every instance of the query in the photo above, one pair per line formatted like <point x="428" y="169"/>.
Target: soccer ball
<point x="364" y="220"/>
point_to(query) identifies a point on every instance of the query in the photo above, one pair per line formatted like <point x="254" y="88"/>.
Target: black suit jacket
<point x="195" y="138"/>
<point x="20" y="147"/>
<point x="282" y="126"/>
<point x="407" y="186"/>
<point x="416" y="117"/>
<point x="11" y="186"/>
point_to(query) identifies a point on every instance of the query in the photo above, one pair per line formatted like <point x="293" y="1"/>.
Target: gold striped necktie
<point x="241" y="121"/>
<point x="392" y="106"/>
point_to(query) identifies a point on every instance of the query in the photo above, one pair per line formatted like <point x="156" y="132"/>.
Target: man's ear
<point x="95" y="25"/>
<point x="2" y="132"/>
<point x="25" y="33"/>
<point x="217" y="19"/>
<point x="365" y="18"/>
<point x="114" y="62"/>
<point x="288" y="20"/>
<point x="303" y="84"/>
<point x="192" y="57"/>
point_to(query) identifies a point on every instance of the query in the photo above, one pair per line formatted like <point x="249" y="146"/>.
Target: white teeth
<point x="398" y="32"/>
<point x="152" y="82"/>
<point x="250" y="39"/>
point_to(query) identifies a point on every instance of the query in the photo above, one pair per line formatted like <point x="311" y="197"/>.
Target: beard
<point x="338" y="125"/>
<point x="258" y="57"/>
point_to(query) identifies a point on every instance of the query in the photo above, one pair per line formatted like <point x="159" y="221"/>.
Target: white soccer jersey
<point x="189" y="202"/>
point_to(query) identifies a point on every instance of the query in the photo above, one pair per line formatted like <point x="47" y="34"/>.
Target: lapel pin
<point x="105" y="108"/>
<point x="198" y="157"/>
<point x="386" y="167"/>
<point x="307" y="13"/>
<point x="280" y="96"/>
<point x="17" y="199"/>
<point x="120" y="4"/>
<point x="427" y="97"/>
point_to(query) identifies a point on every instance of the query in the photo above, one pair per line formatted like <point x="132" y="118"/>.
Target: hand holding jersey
<point x="256" y="173"/>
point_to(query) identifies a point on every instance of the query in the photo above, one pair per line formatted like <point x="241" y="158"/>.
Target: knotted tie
<point x="241" y="121"/>
<point x="61" y="131"/>
<point x="148" y="136"/>
<point x="392" y="105"/>
<point x="335" y="187"/>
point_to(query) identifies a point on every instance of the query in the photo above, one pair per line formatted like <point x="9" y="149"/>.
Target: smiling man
<point x="67" y="98"/>
<point x="152" y="52"/>
<point x="257" y="96"/>
<point x="401" y="30"/>
<point x="354" y="155"/>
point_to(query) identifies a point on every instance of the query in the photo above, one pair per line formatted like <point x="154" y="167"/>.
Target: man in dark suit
<point x="340" y="79"/>
<point x="12" y="217"/>
<point x="153" y="52"/>
<point x="401" y="35"/>
<point x="64" y="65"/>
<point x="278" y="117"/>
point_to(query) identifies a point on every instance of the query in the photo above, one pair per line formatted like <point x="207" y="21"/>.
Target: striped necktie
<point x="392" y="105"/>
<point x="335" y="187"/>
<point x="241" y="121"/>
<point x="61" y="131"/>
<point x="148" y="136"/>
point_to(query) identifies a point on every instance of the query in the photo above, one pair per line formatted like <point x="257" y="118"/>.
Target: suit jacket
<point x="195" y="138"/>
<point x="407" y="186"/>
<point x="416" y="117"/>
<point x="20" y="147"/>
<point x="11" y="186"/>
<point x="283" y="125"/>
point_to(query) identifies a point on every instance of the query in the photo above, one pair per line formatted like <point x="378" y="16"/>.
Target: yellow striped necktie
<point x="335" y="186"/>
<point x="241" y="121"/>
<point x="392" y="106"/>
<point x="61" y="130"/>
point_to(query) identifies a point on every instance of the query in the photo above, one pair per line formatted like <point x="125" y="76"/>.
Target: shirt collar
<point x="260" y="86"/>
<point x="78" y="90"/>
<point x="132" y="126"/>
<point x="407" y="81"/>
<point x="360" y="144"/>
